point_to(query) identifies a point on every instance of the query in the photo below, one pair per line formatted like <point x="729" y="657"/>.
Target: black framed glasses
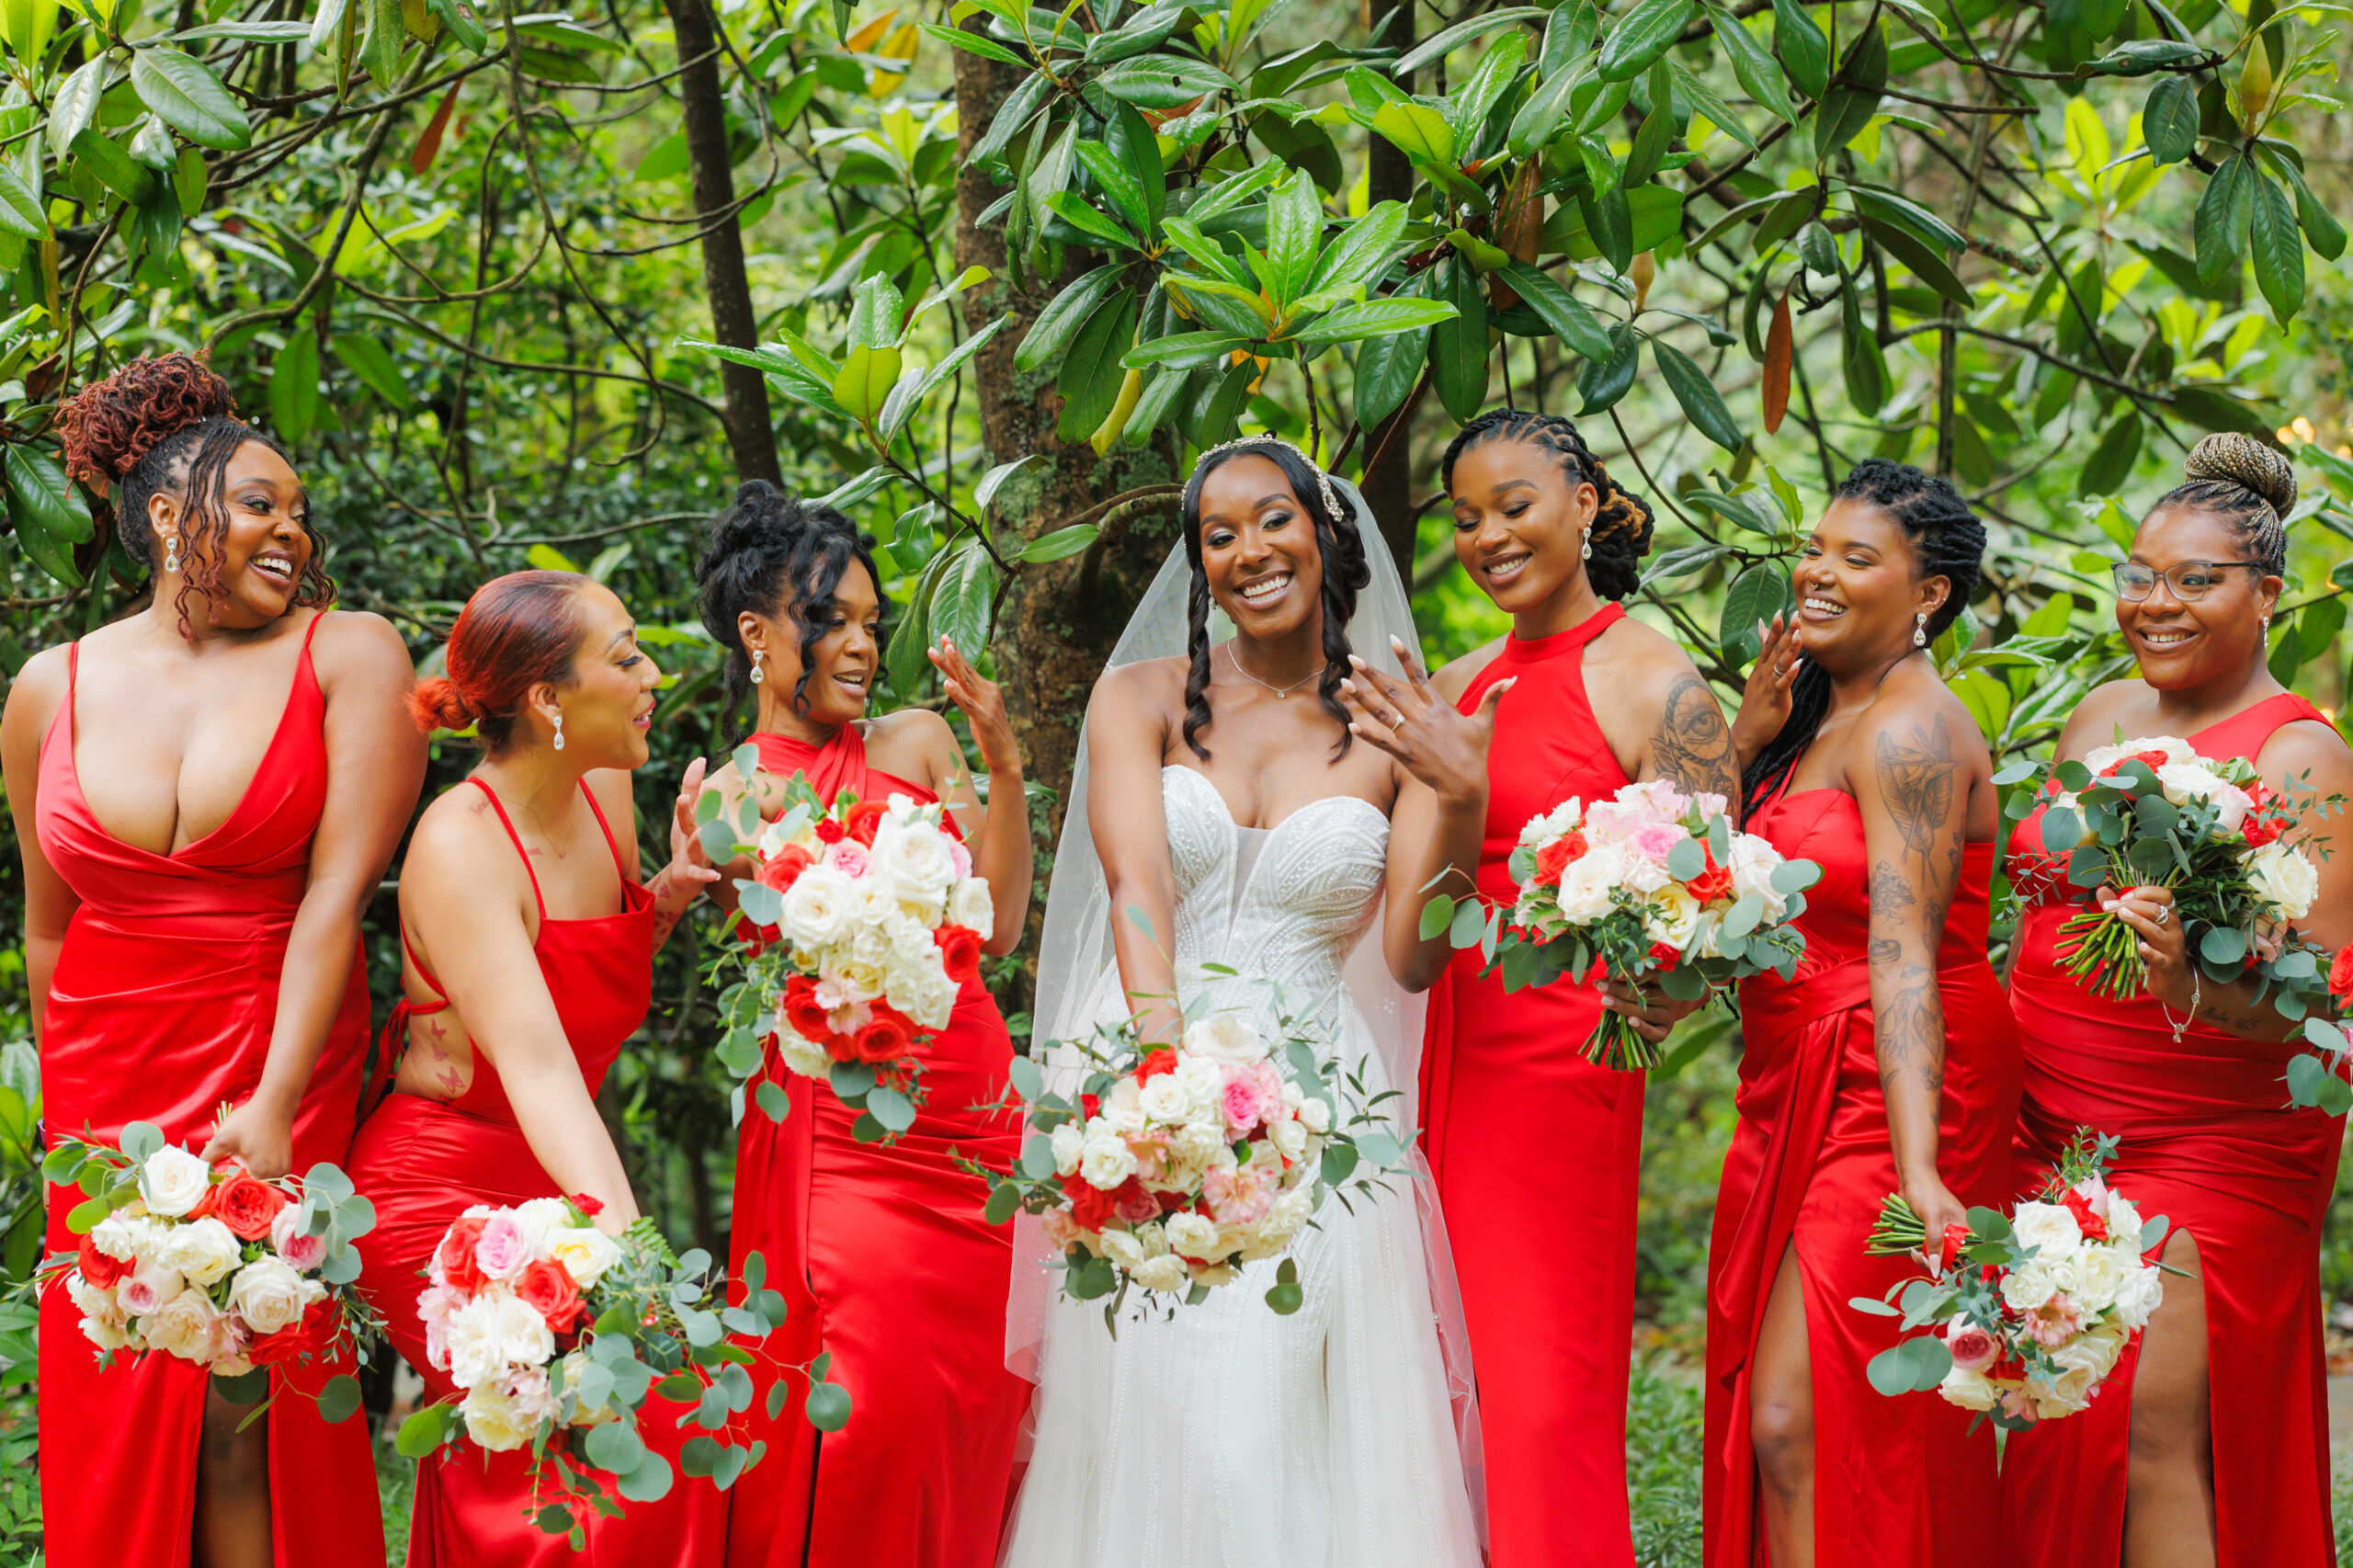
<point x="2186" y="580"/>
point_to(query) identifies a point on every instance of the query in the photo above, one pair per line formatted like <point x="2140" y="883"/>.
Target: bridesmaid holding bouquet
<point x="205" y="805"/>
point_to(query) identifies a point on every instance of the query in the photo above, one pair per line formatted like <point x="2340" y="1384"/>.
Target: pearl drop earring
<point x="1586" y="552"/>
<point x="758" y="675"/>
<point x="171" y="552"/>
<point x="559" y="732"/>
<point x="1920" y="630"/>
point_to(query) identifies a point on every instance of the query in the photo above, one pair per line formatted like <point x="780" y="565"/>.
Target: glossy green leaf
<point x="188" y="97"/>
<point x="2278" y="246"/>
<point x="1805" y="52"/>
<point x="1457" y="350"/>
<point x="2225" y="212"/>
<point x="1759" y="74"/>
<point x="1697" y="396"/>
<point x="1641" y="36"/>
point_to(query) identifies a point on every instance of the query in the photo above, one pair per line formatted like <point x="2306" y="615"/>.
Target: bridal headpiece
<point x="1331" y="507"/>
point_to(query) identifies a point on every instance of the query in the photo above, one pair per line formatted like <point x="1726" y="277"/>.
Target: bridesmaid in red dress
<point x="879" y="1249"/>
<point x="2158" y="1473"/>
<point x="1888" y="1065"/>
<point x="204" y="806"/>
<point x="529" y="949"/>
<point x="1595" y="701"/>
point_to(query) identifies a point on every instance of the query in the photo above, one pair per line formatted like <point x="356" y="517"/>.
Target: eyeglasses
<point x="2186" y="580"/>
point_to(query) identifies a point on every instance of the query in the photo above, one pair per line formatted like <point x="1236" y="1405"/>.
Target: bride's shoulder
<point x="1155" y="680"/>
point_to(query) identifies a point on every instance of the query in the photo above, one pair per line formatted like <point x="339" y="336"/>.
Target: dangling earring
<point x="1586" y="553"/>
<point x="559" y="730"/>
<point x="1920" y="630"/>
<point x="758" y="675"/>
<point x="171" y="552"/>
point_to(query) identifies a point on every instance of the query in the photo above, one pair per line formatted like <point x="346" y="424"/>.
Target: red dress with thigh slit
<point x="1898" y="1483"/>
<point x="2208" y="1140"/>
<point x="161" y="1008"/>
<point x="883" y="1257"/>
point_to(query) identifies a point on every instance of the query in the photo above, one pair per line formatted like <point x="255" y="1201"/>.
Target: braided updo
<point x="2253" y="485"/>
<point x="164" y="425"/>
<point x="1948" y="540"/>
<point x="774" y="555"/>
<point x="1621" y="522"/>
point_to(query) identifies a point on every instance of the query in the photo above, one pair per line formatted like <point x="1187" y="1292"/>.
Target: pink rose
<point x="2054" y="1322"/>
<point x="503" y="1249"/>
<point x="225" y="1340"/>
<point x="1239" y="1196"/>
<point x="1060" y="1228"/>
<point x="1972" y="1348"/>
<point x="300" y="1251"/>
<point x="959" y="857"/>
<point x="1652" y="840"/>
<point x="1136" y="1206"/>
<point x="2018" y="1405"/>
<point x="1252" y="1094"/>
<point x="433" y="1310"/>
<point x="848" y="857"/>
<point x="149" y="1287"/>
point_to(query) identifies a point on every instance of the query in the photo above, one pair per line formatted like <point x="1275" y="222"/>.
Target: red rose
<point x="2155" y="759"/>
<point x="840" y="1047"/>
<point x="310" y="1337"/>
<point x="456" y="1255"/>
<point x="1088" y="1105"/>
<point x="1665" y="956"/>
<point x="1155" y="1062"/>
<point x="2093" y="1227"/>
<point x="783" y="869"/>
<point x="828" y="831"/>
<point x="885" y="1036"/>
<point x="1093" y="1207"/>
<point x="864" y="818"/>
<point x="803" y="1011"/>
<point x="1555" y="856"/>
<point x="2340" y="974"/>
<point x="1712" y="883"/>
<point x="758" y="938"/>
<point x="244" y="1203"/>
<point x="99" y="1268"/>
<point x="545" y="1285"/>
<point x="959" y="952"/>
<point x="592" y="1207"/>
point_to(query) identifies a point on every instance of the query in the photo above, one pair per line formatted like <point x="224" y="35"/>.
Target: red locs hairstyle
<point x="164" y="425"/>
<point x="516" y="631"/>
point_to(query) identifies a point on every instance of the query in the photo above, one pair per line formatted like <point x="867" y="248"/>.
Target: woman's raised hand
<point x="983" y="704"/>
<point x="690" y="867"/>
<point x="1443" y="748"/>
<point x="1765" y="703"/>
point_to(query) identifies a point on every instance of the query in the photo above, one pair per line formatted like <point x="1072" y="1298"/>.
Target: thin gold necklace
<point x="1281" y="692"/>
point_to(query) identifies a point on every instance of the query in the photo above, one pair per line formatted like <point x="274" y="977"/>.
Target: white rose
<point x="2124" y="1226"/>
<point x="1539" y="829"/>
<point x="2100" y="1274"/>
<point x="2028" y="1288"/>
<point x="2184" y="782"/>
<point x="2064" y="1271"/>
<point x="2140" y="1292"/>
<point x="1069" y="1140"/>
<point x="1204" y="1081"/>
<point x="174" y="1181"/>
<point x="816" y="907"/>
<point x="1166" y="1099"/>
<point x="1292" y="1209"/>
<point x="855" y="982"/>
<point x="1587" y="883"/>
<point x="269" y="1294"/>
<point x="1121" y="1111"/>
<point x="2070" y="1392"/>
<point x="204" y="1250"/>
<point x="917" y="863"/>
<point x="121" y="1237"/>
<point x="1105" y="1161"/>
<point x="1166" y="1273"/>
<point x="110" y="1333"/>
<point x="2049" y="1227"/>
<point x="1970" y="1391"/>
<point x="477" y="1355"/>
<point x="1753" y="861"/>
<point x="1670" y="915"/>
<point x="1196" y="1142"/>
<point x="2099" y="759"/>
<point x="182" y="1327"/>
<point x="538" y="1217"/>
<point x="927" y="996"/>
<point x="2283" y="879"/>
<point x="801" y="1054"/>
<point x="585" y="1251"/>
<point x="1224" y="1038"/>
<point x="521" y="1330"/>
<point x="911" y="940"/>
<point x="873" y="906"/>
<point x="1317" y="1114"/>
<point x="970" y="905"/>
<point x="1122" y="1249"/>
<point x="495" y="1420"/>
<point x="1193" y="1234"/>
<point x="2093" y="1354"/>
<point x="1290" y="1139"/>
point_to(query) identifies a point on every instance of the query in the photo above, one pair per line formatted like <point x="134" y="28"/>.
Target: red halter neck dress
<point x="881" y="1250"/>
<point x="2209" y="1140"/>
<point x="424" y="1161"/>
<point x="1509" y="1105"/>
<point x="161" y="1008"/>
<point x="1898" y="1483"/>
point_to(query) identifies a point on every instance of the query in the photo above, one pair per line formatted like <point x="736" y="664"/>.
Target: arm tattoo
<point x="1693" y="745"/>
<point x="1915" y="779"/>
<point x="1890" y="891"/>
<point x="1911" y="1029"/>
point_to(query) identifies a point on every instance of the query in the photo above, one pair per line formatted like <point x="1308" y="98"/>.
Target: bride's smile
<point x="1259" y="555"/>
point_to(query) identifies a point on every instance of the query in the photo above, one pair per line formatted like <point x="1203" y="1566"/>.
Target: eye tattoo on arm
<point x="1693" y="745"/>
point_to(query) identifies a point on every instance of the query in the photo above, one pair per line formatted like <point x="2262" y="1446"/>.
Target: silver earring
<point x="1586" y="553"/>
<point x="559" y="732"/>
<point x="1920" y="630"/>
<point x="758" y="675"/>
<point x="171" y="552"/>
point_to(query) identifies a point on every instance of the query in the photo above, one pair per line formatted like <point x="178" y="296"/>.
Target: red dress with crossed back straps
<point x="1898" y="1483"/>
<point x="886" y="1264"/>
<point x="2208" y="1140"/>
<point x="423" y="1161"/>
<point x="160" y="1009"/>
<point x="1509" y="1107"/>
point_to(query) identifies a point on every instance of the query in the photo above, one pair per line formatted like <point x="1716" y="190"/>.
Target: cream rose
<point x="1316" y="1114"/>
<point x="1587" y="883"/>
<point x="1290" y="1139"/>
<point x="1166" y="1273"/>
<point x="2023" y="1290"/>
<point x="269" y="1294"/>
<point x="973" y="906"/>
<point x="2048" y="1227"/>
<point x="1069" y="1141"/>
<point x="2124" y="1225"/>
<point x="1753" y="861"/>
<point x="2100" y="1274"/>
<point x="2283" y="879"/>
<point x="1193" y="1234"/>
<point x="204" y="1250"/>
<point x="817" y="907"/>
<point x="1970" y="1391"/>
<point x="174" y="1181"/>
<point x="182" y="1327"/>
<point x="915" y="862"/>
<point x="2184" y="782"/>
<point x="1166" y="1099"/>
<point x="801" y="1054"/>
<point x="585" y="1251"/>
<point x="494" y="1419"/>
<point x="123" y="1238"/>
<point x="1105" y="1161"/>
<point x="1670" y="915"/>
<point x="1224" y="1038"/>
<point x="2142" y="1291"/>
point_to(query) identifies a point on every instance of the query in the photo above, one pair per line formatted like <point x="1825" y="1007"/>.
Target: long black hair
<point x="1947" y="542"/>
<point x="772" y="553"/>
<point x="1345" y="574"/>
<point x="1621" y="522"/>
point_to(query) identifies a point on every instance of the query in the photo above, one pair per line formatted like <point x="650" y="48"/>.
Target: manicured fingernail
<point x="1347" y="686"/>
<point x="1356" y="661"/>
<point x="1397" y="642"/>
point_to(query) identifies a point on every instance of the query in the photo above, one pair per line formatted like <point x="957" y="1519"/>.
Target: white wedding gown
<point x="1233" y="1436"/>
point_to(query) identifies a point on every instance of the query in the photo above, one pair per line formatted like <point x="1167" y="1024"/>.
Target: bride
<point x="1235" y="818"/>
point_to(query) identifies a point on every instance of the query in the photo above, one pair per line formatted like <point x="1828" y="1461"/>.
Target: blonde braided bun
<point x="2253" y="485"/>
<point x="2244" y="460"/>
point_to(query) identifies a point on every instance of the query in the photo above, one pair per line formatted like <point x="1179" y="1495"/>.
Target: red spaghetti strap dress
<point x="881" y="1251"/>
<point x="161" y="1008"/>
<point x="2207" y="1138"/>
<point x="1898" y="1483"/>
<point x="424" y="1161"/>
<point x="1510" y="1105"/>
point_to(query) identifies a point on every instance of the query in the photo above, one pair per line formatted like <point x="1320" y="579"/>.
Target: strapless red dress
<point x="1898" y="1483"/>
<point x="883" y="1257"/>
<point x="1510" y="1105"/>
<point x="423" y="1161"/>
<point x="161" y="1008"/>
<point x="2208" y="1140"/>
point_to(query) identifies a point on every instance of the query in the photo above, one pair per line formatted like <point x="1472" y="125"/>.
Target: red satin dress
<point x="161" y="1008"/>
<point x="1898" y="1483"/>
<point x="884" y="1261"/>
<point x="1510" y="1106"/>
<point x="424" y="1161"/>
<point x="2207" y="1138"/>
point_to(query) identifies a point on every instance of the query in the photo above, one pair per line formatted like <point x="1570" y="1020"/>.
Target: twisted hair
<point x="770" y="552"/>
<point x="1947" y="542"/>
<point x="166" y="424"/>
<point x="514" y="632"/>
<point x="1345" y="574"/>
<point x="1622" y="523"/>
<point x="2238" y="478"/>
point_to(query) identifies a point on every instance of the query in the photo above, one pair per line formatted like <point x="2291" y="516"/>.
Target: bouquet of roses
<point x="213" y="1265"/>
<point x="860" y="923"/>
<point x="2030" y="1313"/>
<point x="2152" y="813"/>
<point x="1650" y="884"/>
<point x="1171" y="1168"/>
<point x="557" y="1333"/>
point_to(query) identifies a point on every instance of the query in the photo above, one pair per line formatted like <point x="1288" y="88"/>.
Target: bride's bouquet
<point x="861" y="923"/>
<point x="1652" y="884"/>
<point x="557" y="1335"/>
<point x="2028" y="1314"/>
<point x="211" y="1264"/>
<point x="1173" y="1167"/>
<point x="2152" y="813"/>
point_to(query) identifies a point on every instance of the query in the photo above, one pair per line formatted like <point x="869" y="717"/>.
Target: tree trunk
<point x="1388" y="478"/>
<point x="749" y="440"/>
